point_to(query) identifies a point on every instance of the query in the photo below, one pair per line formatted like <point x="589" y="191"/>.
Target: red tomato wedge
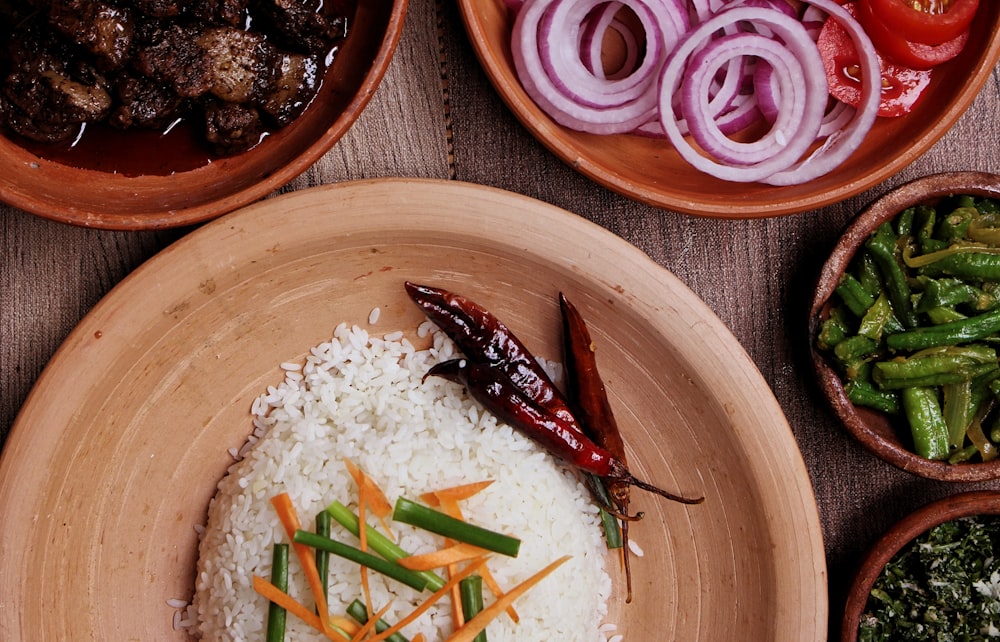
<point x="893" y="46"/>
<point x="929" y="22"/>
<point x="901" y="86"/>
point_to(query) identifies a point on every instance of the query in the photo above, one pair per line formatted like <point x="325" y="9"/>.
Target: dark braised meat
<point x="240" y="67"/>
<point x="47" y="94"/>
<point x="103" y="30"/>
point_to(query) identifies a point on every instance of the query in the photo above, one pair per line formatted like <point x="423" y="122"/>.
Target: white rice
<point x="361" y="397"/>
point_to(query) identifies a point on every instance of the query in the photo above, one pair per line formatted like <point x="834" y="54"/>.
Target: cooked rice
<point x="361" y="397"/>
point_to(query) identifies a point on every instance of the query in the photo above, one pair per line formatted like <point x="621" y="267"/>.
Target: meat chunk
<point x="237" y="68"/>
<point x="102" y="29"/>
<point x="173" y="55"/>
<point x="47" y="98"/>
<point x="144" y="103"/>
<point x="241" y="65"/>
<point x="231" y="127"/>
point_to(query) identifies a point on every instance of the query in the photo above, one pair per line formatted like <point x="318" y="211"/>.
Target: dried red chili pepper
<point x="593" y="410"/>
<point x="483" y="338"/>
<point x="492" y="388"/>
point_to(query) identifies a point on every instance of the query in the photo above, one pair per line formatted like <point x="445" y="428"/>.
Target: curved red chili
<point x="483" y="338"/>
<point x="499" y="395"/>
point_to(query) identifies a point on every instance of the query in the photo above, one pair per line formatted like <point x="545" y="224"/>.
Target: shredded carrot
<point x="430" y="601"/>
<point x="369" y="626"/>
<point x="463" y="491"/>
<point x="378" y="502"/>
<point x="453" y="554"/>
<point x="494" y="587"/>
<point x="290" y="520"/>
<point x="363" y="536"/>
<point x="293" y="606"/>
<point x="474" y="626"/>
<point x="345" y="624"/>
<point x="449" y="505"/>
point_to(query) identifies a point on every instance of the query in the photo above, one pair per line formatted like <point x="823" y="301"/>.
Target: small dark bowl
<point x="902" y="533"/>
<point x="171" y="196"/>
<point x="874" y="430"/>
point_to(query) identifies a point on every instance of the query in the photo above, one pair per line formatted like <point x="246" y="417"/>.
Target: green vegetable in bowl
<point x="945" y="585"/>
<point x="914" y="325"/>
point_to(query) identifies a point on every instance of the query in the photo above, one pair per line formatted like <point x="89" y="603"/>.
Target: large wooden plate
<point x="119" y="447"/>
<point x="651" y="171"/>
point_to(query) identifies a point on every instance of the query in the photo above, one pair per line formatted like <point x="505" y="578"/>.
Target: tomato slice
<point x="901" y="51"/>
<point x="902" y="86"/>
<point x="929" y="22"/>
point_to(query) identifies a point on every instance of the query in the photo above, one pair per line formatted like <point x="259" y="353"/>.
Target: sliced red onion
<point x="598" y="23"/>
<point x="843" y="142"/>
<point x="545" y="46"/>
<point x="804" y="94"/>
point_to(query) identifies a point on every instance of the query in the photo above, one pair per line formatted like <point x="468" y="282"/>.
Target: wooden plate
<point x="650" y="171"/>
<point x="119" y="447"/>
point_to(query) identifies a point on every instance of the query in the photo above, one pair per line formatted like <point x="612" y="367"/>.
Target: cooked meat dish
<point x="235" y="68"/>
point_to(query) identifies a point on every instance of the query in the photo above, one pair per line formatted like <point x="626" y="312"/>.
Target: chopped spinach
<point x="943" y="587"/>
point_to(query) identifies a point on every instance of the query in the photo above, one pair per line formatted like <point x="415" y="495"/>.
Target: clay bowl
<point x="874" y="430"/>
<point x="967" y="504"/>
<point x="90" y="191"/>
<point x="651" y="171"/>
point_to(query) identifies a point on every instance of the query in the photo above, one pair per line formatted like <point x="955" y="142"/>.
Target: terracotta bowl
<point x="85" y="192"/>
<point x="650" y="171"/>
<point x="874" y="430"/>
<point x="902" y="533"/>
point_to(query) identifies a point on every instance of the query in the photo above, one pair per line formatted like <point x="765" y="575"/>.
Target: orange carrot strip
<point x="460" y="552"/>
<point x="419" y="637"/>
<point x="345" y="624"/>
<point x="290" y="520"/>
<point x="474" y="626"/>
<point x="463" y="491"/>
<point x="378" y="502"/>
<point x="494" y="587"/>
<point x="429" y="602"/>
<point x="293" y="606"/>
<point x="369" y="626"/>
<point x="449" y="505"/>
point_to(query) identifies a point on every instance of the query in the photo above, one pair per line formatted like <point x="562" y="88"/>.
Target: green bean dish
<point x="914" y="324"/>
<point x="945" y="585"/>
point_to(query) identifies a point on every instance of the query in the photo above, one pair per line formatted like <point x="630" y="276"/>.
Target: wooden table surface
<point x="433" y="116"/>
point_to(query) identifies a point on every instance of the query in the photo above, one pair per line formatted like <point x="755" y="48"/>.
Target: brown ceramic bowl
<point x="85" y="193"/>
<point x="874" y="430"/>
<point x="652" y="172"/>
<point x="902" y="533"/>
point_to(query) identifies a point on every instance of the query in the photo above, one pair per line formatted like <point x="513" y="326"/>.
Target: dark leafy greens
<point x="944" y="586"/>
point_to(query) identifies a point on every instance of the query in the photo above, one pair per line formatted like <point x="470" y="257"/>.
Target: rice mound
<point x="361" y="397"/>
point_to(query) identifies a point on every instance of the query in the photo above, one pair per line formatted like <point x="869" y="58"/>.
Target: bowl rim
<point x="886" y="207"/>
<point x="158" y="217"/>
<point x="899" y="535"/>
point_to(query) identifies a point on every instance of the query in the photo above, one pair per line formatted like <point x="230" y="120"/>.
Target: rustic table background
<point x="435" y="115"/>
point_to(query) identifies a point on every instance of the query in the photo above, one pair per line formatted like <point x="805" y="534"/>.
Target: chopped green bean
<point x="927" y="426"/>
<point x="410" y="512"/>
<point x="277" y="616"/>
<point x="854" y="295"/>
<point x="883" y="246"/>
<point x="969" y="329"/>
